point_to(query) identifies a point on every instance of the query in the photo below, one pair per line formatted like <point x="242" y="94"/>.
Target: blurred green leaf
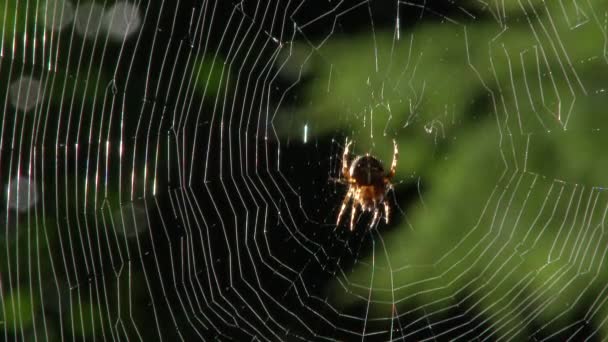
<point x="13" y="19"/>
<point x="211" y="75"/>
<point x="18" y="310"/>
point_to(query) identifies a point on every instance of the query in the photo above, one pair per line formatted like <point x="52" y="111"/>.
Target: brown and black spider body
<point x="368" y="185"/>
<point x="368" y="174"/>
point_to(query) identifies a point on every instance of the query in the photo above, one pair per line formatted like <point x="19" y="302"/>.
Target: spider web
<point x="167" y="170"/>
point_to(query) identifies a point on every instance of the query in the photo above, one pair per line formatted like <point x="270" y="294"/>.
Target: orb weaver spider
<point x="368" y="184"/>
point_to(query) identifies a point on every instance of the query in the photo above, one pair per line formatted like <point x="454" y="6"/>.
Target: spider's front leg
<point x="345" y="172"/>
<point x="391" y="174"/>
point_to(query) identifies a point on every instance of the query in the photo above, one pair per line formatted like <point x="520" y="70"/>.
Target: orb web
<point x="170" y="171"/>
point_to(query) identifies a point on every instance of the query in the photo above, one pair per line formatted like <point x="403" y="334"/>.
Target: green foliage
<point x="13" y="21"/>
<point x="502" y="122"/>
<point x="18" y="311"/>
<point x="211" y="75"/>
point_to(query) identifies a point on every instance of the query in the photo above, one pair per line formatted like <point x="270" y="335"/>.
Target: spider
<point x="368" y="184"/>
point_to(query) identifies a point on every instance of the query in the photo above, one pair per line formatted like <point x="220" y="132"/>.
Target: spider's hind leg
<point x="352" y="216"/>
<point x="374" y="219"/>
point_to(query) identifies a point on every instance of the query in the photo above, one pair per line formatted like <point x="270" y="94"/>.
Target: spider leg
<point x="391" y="174"/>
<point x="353" y="213"/>
<point x="375" y="219"/>
<point x="387" y="212"/>
<point x="344" y="203"/>
<point x="345" y="172"/>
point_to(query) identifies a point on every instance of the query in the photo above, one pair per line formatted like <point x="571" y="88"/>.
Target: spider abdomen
<point x="369" y="196"/>
<point x="367" y="170"/>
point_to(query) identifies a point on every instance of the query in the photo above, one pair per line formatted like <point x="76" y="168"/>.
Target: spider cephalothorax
<point x="368" y="184"/>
